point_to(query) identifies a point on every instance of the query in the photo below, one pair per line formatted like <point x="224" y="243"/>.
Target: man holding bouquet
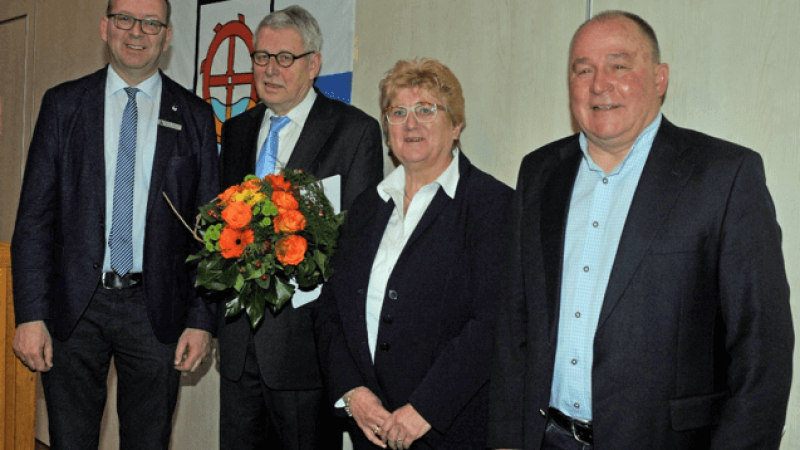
<point x="271" y="387"/>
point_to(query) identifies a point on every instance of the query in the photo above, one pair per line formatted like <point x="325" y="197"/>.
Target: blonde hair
<point x="430" y="75"/>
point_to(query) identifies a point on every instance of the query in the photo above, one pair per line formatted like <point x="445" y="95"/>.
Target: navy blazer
<point x="693" y="348"/>
<point x="435" y="335"/>
<point x="336" y="139"/>
<point x="59" y="239"/>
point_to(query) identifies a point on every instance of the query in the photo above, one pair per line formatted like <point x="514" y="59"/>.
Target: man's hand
<point x="403" y="428"/>
<point x="369" y="413"/>
<point x="193" y="346"/>
<point x="33" y="346"/>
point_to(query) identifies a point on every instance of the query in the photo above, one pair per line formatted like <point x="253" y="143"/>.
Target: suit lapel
<point x="556" y="197"/>
<point x="93" y="116"/>
<point x="319" y="125"/>
<point x="666" y="172"/>
<point x="249" y="159"/>
<point x="436" y="209"/>
<point x="166" y="139"/>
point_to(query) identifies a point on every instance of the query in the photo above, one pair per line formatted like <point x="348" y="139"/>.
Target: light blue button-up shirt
<point x="597" y="213"/>
<point x="148" y="102"/>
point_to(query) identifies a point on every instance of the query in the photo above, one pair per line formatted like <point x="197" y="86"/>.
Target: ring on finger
<point x="377" y="429"/>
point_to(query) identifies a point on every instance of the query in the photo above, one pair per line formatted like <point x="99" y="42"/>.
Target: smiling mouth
<point x="135" y="47"/>
<point x="603" y="107"/>
<point x="413" y="139"/>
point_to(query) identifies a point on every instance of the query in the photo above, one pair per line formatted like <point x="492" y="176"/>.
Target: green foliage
<point x="256" y="275"/>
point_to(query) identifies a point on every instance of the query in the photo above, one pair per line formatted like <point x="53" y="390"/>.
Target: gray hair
<point x="645" y="28"/>
<point x="166" y="2"/>
<point x="295" y="18"/>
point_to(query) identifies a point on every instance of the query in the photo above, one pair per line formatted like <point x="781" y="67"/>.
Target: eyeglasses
<point x="424" y="112"/>
<point x="126" y="22"/>
<point x="284" y="59"/>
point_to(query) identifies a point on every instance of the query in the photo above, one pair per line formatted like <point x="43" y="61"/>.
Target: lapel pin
<point x="168" y="124"/>
<point x="174" y="107"/>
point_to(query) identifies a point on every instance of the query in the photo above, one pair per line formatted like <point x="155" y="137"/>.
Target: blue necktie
<point x="269" y="151"/>
<point x="121" y="237"/>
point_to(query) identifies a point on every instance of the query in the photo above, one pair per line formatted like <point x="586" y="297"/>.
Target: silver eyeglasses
<point x="126" y="22"/>
<point x="284" y="59"/>
<point x="424" y="112"/>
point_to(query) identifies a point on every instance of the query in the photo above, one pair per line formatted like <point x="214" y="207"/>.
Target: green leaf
<point x="194" y="257"/>
<point x="284" y="292"/>
<point x="239" y="282"/>
<point x="230" y="275"/>
<point x="263" y="284"/>
<point x="233" y="307"/>
<point x="255" y="306"/>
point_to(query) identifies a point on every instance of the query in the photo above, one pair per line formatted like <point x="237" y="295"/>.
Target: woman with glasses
<point x="404" y="327"/>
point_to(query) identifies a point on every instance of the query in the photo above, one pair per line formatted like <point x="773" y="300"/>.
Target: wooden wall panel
<point x="17" y="398"/>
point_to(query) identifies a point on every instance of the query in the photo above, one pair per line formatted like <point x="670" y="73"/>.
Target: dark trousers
<point x="253" y="416"/>
<point x="557" y="438"/>
<point x="115" y="324"/>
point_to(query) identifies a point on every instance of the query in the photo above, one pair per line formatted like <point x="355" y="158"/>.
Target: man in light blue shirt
<point x="646" y="304"/>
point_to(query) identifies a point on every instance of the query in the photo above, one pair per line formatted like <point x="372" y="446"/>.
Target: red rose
<point x="254" y="184"/>
<point x="237" y="215"/>
<point x="290" y="221"/>
<point x="291" y="250"/>
<point x="285" y="201"/>
<point x="227" y="196"/>
<point x="232" y="242"/>
<point x="278" y="183"/>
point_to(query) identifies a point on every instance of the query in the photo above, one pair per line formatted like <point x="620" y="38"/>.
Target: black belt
<point x="581" y="429"/>
<point x="110" y="280"/>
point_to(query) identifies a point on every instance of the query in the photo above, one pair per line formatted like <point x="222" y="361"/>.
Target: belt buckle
<point x="575" y="433"/>
<point x="104" y="282"/>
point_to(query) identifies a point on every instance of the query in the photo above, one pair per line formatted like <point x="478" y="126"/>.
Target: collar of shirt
<point x="642" y="144"/>
<point x="289" y="134"/>
<point x="394" y="186"/>
<point x="115" y="83"/>
<point x="598" y="209"/>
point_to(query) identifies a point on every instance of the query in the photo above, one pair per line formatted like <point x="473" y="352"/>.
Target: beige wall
<point x="733" y="64"/>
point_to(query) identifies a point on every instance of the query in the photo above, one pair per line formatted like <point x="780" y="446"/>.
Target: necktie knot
<point x="267" y="157"/>
<point x="131" y="91"/>
<point x="277" y="123"/>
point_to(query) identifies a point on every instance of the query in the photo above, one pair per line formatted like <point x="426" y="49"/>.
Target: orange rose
<point x="253" y="184"/>
<point x="290" y="221"/>
<point x="232" y="242"/>
<point x="225" y="197"/>
<point x="278" y="183"/>
<point x="237" y="215"/>
<point x="285" y="201"/>
<point x="291" y="250"/>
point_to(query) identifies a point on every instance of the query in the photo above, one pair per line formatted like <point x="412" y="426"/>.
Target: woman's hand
<point x="404" y="427"/>
<point x="369" y="413"/>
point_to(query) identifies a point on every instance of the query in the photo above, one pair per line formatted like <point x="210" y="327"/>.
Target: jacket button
<point x="360" y="292"/>
<point x="95" y="265"/>
<point x="392" y="294"/>
<point x="388" y="319"/>
<point x="544" y="414"/>
<point x="385" y="346"/>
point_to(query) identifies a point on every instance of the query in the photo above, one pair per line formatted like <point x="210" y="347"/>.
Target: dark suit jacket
<point x="434" y="341"/>
<point x="693" y="348"/>
<point x="59" y="239"/>
<point x="337" y="139"/>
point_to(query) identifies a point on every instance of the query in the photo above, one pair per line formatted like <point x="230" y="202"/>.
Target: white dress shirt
<point x="397" y="232"/>
<point x="289" y="134"/>
<point x="148" y="102"/>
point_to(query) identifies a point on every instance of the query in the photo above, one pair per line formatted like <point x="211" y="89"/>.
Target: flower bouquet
<point x="262" y="234"/>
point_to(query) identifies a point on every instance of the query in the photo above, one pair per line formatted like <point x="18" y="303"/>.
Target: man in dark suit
<point x="647" y="303"/>
<point x="98" y="255"/>
<point x="271" y="388"/>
